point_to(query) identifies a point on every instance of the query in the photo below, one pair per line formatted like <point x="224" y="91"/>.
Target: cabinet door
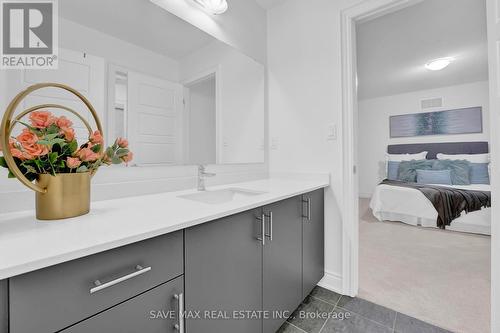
<point x="223" y="269"/>
<point x="282" y="261"/>
<point x="313" y="230"/>
<point x="155" y="311"/>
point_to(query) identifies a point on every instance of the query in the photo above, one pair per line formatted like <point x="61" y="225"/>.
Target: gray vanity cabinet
<point x="56" y="297"/>
<point x="313" y="230"/>
<point x="155" y="311"/>
<point x="282" y="261"/>
<point x="4" y="306"/>
<point x="223" y="270"/>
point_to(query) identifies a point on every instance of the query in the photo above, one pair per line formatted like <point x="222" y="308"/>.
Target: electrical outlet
<point x="331" y="132"/>
<point x="274" y="143"/>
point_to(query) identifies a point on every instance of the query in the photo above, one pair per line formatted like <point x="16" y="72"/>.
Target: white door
<point x="493" y="11"/>
<point x="154" y="120"/>
<point x="83" y="72"/>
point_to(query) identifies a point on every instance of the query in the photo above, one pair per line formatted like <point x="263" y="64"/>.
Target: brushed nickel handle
<point x="180" y="304"/>
<point x="100" y="286"/>
<point x="262" y="220"/>
<point x="308" y="215"/>
<point x="270" y="235"/>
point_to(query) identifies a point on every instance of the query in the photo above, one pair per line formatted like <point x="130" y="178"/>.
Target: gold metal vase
<point x="68" y="195"/>
<point x="61" y="196"/>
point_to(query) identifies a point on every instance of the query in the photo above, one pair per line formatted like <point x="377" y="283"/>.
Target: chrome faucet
<point x="202" y="174"/>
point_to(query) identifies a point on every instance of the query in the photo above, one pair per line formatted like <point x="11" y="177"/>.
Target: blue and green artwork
<point x="458" y="121"/>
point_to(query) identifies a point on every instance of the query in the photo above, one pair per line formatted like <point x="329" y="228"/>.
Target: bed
<point x="411" y="206"/>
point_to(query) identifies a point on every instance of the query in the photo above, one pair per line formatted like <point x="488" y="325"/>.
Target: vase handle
<point x="7" y="124"/>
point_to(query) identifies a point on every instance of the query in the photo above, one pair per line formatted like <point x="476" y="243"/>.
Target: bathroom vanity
<point x="224" y="262"/>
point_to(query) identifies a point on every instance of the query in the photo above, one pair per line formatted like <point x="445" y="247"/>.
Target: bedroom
<point x="431" y="107"/>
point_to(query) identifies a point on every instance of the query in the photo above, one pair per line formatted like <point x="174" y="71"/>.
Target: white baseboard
<point x="332" y="281"/>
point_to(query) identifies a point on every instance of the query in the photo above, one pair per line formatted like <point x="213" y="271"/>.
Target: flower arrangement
<point x="48" y="145"/>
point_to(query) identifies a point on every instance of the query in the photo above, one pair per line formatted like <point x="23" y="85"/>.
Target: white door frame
<point x="350" y="239"/>
<point x="350" y="235"/>
<point x="216" y="72"/>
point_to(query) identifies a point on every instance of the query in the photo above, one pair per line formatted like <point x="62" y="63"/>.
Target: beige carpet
<point x="438" y="276"/>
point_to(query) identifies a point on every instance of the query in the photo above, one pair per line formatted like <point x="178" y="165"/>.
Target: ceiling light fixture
<point x="215" y="7"/>
<point x="439" y="64"/>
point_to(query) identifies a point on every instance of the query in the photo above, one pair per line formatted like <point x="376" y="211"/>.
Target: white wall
<point x="243" y="26"/>
<point x="241" y="100"/>
<point x="304" y="97"/>
<point x="374" y="136"/>
<point x="77" y="37"/>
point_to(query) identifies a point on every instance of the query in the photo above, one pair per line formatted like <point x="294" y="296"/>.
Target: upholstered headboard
<point x="436" y="148"/>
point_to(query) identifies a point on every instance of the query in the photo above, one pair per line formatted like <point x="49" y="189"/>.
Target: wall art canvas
<point x="458" y="121"/>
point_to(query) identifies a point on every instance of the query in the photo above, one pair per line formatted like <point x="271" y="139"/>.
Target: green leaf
<point x="33" y="129"/>
<point x="53" y="129"/>
<point x="53" y="157"/>
<point x="30" y="169"/>
<point x="73" y="146"/>
<point x="2" y="162"/>
<point x="116" y="160"/>
<point x="50" y="137"/>
<point x="11" y="175"/>
<point x="122" y="152"/>
<point x="96" y="148"/>
<point x="82" y="168"/>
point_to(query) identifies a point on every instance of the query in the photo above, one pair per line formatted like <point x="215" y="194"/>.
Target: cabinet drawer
<point x="59" y="296"/>
<point x="156" y="311"/>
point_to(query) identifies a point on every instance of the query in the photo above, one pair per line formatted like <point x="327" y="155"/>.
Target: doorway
<point x="200" y="127"/>
<point x="361" y="13"/>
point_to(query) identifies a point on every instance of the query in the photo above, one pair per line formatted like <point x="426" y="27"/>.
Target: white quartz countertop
<point x="27" y="244"/>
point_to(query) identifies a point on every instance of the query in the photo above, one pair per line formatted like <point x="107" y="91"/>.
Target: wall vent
<point x="431" y="103"/>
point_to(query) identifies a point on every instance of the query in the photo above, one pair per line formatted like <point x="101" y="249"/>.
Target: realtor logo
<point x="29" y="34"/>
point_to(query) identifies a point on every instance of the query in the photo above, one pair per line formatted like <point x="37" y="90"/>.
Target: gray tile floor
<point x="324" y="311"/>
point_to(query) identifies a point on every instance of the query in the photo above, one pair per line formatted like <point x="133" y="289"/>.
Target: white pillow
<point x="406" y="157"/>
<point x="473" y="158"/>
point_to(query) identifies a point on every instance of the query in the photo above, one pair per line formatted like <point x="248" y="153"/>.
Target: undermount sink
<point x="221" y="196"/>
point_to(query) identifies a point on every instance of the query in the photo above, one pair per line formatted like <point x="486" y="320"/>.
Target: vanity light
<point x="215" y="7"/>
<point x="439" y="64"/>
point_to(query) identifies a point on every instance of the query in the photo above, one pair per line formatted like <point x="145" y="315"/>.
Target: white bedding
<point x="408" y="205"/>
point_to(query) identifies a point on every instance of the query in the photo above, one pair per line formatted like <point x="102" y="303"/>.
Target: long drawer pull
<point x="180" y="303"/>
<point x="262" y="221"/>
<point x="308" y="215"/>
<point x="270" y="217"/>
<point x="100" y="286"/>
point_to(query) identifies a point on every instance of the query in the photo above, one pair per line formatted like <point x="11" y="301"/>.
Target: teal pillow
<point x="434" y="177"/>
<point x="460" y="170"/>
<point x="392" y="170"/>
<point x="408" y="169"/>
<point x="479" y="173"/>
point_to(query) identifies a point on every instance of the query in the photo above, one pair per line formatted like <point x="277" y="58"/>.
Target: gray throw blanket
<point x="449" y="202"/>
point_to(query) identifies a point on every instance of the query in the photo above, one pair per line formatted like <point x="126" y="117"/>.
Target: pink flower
<point x="19" y="154"/>
<point x="73" y="162"/>
<point x="87" y="155"/>
<point x="96" y="138"/>
<point x="122" y="142"/>
<point x="63" y="122"/>
<point x="29" y="147"/>
<point x="35" y="150"/>
<point x="68" y="133"/>
<point x="27" y="138"/>
<point x="129" y="157"/>
<point x="42" y="119"/>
